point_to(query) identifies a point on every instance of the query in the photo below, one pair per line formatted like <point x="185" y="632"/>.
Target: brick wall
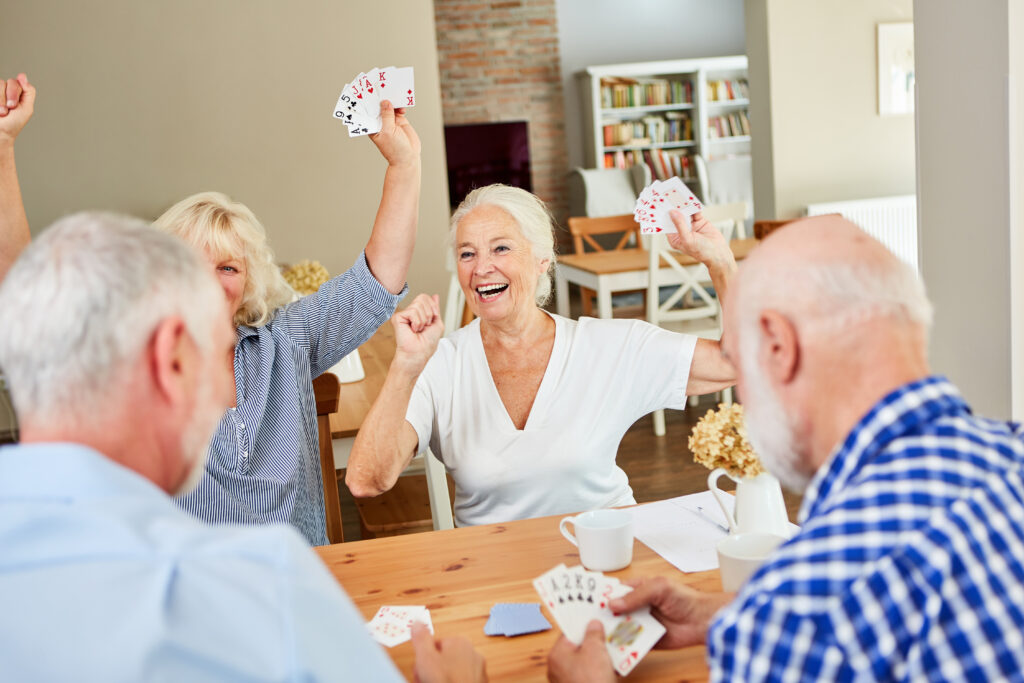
<point x="499" y="62"/>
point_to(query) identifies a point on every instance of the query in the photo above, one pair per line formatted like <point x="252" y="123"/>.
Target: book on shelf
<point x="733" y="124"/>
<point x="654" y="129"/>
<point x="728" y="89"/>
<point x="645" y="92"/>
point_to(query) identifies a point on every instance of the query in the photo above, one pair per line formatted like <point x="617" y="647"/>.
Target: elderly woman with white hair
<point x="524" y="408"/>
<point x="263" y="465"/>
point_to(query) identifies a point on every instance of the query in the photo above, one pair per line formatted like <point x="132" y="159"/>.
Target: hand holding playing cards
<point x="684" y="612"/>
<point x="588" y="663"/>
<point x="17" y="102"/>
<point x="418" y="328"/>
<point x="445" y="660"/>
<point x="397" y="141"/>
<point x="697" y="237"/>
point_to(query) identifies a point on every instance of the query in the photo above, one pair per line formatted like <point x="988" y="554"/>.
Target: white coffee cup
<point x="739" y="556"/>
<point x="349" y="368"/>
<point x="604" y="538"/>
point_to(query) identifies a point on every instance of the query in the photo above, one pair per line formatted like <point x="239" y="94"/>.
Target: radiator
<point x="890" y="220"/>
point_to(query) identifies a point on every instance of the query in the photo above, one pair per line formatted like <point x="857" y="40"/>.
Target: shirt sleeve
<point x="341" y="315"/>
<point x="651" y="362"/>
<point x="328" y="634"/>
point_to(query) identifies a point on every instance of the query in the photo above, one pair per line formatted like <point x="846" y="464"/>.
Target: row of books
<point x="736" y="89"/>
<point x="672" y="127"/>
<point x="663" y="163"/>
<point x="729" y="125"/>
<point x="644" y="92"/>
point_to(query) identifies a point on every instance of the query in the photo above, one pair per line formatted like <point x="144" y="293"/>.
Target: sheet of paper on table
<point x="683" y="530"/>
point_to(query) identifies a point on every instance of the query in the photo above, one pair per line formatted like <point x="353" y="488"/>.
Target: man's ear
<point x="171" y="353"/>
<point x="780" y="346"/>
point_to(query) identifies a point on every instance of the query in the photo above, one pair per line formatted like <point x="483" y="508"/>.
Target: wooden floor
<point x="658" y="467"/>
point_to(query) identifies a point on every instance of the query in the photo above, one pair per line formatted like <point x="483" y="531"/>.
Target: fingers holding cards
<point x="658" y="199"/>
<point x="393" y="623"/>
<point x="359" y="105"/>
<point x="575" y="596"/>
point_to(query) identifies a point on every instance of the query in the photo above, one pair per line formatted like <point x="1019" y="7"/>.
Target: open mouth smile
<point x="489" y="292"/>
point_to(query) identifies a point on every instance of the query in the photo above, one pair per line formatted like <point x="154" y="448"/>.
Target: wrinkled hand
<point x="700" y="239"/>
<point x="397" y="140"/>
<point x="17" y="102"/>
<point x="588" y="663"/>
<point x="684" y="612"/>
<point x="418" y="328"/>
<point x="447" y="660"/>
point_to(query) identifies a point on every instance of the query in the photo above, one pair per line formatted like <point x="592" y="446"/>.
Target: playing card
<point x="396" y="85"/>
<point x="515" y="619"/>
<point x="629" y="637"/>
<point x="658" y="199"/>
<point x="575" y="596"/>
<point x="392" y="624"/>
<point x="358" y="106"/>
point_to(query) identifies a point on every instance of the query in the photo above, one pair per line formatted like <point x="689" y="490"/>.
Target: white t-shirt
<point x="602" y="377"/>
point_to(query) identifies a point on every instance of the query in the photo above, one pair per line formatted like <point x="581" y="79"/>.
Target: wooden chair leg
<point x="587" y="296"/>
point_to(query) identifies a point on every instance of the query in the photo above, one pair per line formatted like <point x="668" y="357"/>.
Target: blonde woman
<point x="263" y="464"/>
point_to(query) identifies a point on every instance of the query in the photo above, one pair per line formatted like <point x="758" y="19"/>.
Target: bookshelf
<point x="663" y="113"/>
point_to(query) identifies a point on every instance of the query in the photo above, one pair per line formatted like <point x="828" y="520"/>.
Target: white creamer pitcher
<point x="759" y="505"/>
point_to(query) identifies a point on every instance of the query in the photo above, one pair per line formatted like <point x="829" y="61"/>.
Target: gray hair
<point x="531" y="215"/>
<point x="83" y="300"/>
<point x="831" y="298"/>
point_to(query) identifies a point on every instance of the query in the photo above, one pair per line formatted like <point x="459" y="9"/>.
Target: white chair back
<point x="734" y="213"/>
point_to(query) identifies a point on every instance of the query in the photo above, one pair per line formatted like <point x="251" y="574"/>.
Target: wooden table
<point x="607" y="272"/>
<point x="355" y="398"/>
<point x="459" y="574"/>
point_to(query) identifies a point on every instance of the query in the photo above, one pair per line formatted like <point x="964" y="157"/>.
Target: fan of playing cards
<point x="658" y="199"/>
<point x="359" y="103"/>
<point x="392" y="624"/>
<point x="575" y="596"/>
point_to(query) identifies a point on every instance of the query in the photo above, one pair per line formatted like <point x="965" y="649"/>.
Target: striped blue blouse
<point x="264" y="459"/>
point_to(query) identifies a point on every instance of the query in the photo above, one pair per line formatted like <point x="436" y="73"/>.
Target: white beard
<point x="769" y="429"/>
<point x="195" y="438"/>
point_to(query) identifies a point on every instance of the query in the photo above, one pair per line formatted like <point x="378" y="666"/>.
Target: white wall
<point x="970" y="155"/>
<point x="814" y="86"/>
<point x="594" y="32"/>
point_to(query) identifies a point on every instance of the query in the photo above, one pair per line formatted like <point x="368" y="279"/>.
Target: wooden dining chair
<point x="585" y="229"/>
<point x="326" y="389"/>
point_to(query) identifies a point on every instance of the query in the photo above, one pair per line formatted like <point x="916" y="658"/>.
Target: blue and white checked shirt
<point x="910" y="562"/>
<point x="264" y="460"/>
<point x="103" y="578"/>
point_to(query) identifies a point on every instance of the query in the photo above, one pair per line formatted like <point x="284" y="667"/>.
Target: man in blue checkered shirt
<point x="910" y="561"/>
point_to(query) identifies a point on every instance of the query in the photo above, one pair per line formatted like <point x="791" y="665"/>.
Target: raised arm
<point x="389" y="250"/>
<point x="386" y="442"/>
<point x="710" y="371"/>
<point x="17" y="100"/>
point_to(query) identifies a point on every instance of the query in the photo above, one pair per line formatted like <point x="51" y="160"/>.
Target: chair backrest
<point x="326" y="389"/>
<point x="583" y="229"/>
<point x="734" y="213"/>
<point x="599" y="192"/>
<point x="688" y="277"/>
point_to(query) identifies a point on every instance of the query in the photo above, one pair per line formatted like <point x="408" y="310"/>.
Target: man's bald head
<point x="824" y="273"/>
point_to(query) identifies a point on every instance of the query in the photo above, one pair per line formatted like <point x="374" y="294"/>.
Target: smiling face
<point x="231" y="275"/>
<point x="497" y="269"/>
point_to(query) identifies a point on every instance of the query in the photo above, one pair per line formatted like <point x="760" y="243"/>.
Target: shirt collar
<point x="900" y="412"/>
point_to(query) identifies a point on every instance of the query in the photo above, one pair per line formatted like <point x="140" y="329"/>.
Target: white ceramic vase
<point x="759" y="506"/>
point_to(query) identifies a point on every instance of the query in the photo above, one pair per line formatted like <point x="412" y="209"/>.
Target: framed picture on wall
<point x="896" y="68"/>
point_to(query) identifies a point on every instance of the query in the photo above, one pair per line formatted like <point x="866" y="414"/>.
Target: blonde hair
<point x="530" y="214"/>
<point x="212" y="220"/>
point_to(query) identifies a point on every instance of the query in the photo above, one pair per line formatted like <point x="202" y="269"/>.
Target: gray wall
<point x="969" y="182"/>
<point x="595" y="32"/>
<point x="814" y="90"/>
<point x="143" y="103"/>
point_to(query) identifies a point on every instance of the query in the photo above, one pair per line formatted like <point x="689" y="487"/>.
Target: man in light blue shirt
<point x="116" y="347"/>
